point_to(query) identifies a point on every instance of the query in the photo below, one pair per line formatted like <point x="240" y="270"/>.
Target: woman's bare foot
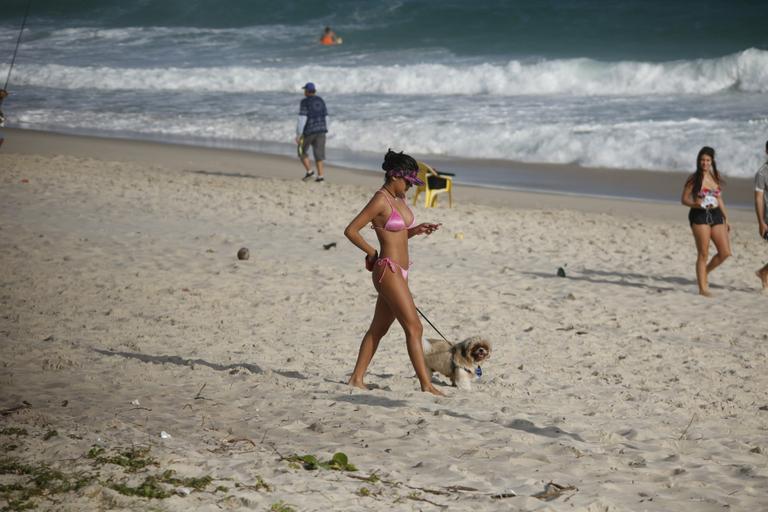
<point x="357" y="384"/>
<point x="705" y="293"/>
<point x="432" y="389"/>
<point x="763" y="275"/>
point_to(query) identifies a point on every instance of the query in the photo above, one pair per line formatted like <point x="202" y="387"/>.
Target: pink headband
<point x="408" y="175"/>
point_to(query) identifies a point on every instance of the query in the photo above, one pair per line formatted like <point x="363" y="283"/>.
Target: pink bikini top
<point x="395" y="222"/>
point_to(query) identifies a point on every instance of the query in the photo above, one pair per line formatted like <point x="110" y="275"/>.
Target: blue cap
<point x="309" y="87"/>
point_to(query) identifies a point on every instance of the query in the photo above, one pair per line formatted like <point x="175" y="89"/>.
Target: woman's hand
<point x="425" y="228"/>
<point x="370" y="260"/>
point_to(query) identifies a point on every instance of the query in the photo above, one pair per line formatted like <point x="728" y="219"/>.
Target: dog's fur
<point x="456" y="361"/>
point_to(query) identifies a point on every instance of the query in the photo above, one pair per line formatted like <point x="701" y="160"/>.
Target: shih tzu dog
<point x="456" y="361"/>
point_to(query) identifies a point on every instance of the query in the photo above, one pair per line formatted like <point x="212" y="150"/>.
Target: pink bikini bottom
<point x="393" y="266"/>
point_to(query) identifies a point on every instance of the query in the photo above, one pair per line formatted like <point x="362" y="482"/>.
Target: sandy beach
<point x="126" y="315"/>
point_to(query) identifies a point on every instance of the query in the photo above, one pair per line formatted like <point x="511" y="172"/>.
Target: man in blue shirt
<point x="311" y="128"/>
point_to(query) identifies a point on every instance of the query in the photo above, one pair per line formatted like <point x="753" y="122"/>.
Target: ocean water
<point x="631" y="84"/>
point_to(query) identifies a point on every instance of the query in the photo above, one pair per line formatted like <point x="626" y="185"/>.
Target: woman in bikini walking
<point x="394" y="223"/>
<point x="707" y="216"/>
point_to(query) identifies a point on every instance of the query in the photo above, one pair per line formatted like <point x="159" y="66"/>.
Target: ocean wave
<point x="746" y="71"/>
<point x="145" y="36"/>
<point x="650" y="145"/>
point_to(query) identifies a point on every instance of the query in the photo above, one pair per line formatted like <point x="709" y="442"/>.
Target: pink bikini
<point x="394" y="223"/>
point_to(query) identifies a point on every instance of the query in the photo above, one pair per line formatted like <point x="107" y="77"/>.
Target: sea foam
<point x="651" y="145"/>
<point x="746" y="71"/>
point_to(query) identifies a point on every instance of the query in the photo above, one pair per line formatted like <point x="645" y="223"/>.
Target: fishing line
<point x="18" y="42"/>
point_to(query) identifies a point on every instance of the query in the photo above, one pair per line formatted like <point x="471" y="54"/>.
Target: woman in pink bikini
<point x="707" y="216"/>
<point x="389" y="215"/>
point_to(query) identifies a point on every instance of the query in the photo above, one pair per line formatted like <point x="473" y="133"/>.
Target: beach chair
<point x="435" y="183"/>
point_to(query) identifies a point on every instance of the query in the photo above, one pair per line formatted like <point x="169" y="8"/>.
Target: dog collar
<point x="468" y="370"/>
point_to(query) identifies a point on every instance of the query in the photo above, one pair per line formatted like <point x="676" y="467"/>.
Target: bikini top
<point x="395" y="222"/>
<point x="715" y="192"/>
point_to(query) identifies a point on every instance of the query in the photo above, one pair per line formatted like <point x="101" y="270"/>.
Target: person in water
<point x="707" y="216"/>
<point x="329" y="37"/>
<point x="395" y="223"/>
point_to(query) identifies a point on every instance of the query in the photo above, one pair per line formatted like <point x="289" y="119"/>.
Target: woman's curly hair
<point x="399" y="161"/>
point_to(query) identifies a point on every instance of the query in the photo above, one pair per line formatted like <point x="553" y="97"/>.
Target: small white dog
<point x="456" y="361"/>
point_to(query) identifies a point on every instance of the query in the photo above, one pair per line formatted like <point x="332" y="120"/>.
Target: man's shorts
<point x="317" y="141"/>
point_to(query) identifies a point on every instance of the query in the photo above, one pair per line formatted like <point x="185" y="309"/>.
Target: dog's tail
<point x="426" y="345"/>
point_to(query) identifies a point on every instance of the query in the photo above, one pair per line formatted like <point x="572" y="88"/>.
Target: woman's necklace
<point x="390" y="193"/>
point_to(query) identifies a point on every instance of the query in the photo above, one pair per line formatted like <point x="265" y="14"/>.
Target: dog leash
<point x="433" y="325"/>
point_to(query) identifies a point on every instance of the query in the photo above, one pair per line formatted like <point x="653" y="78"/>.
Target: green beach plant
<point x="25" y="486"/>
<point x="132" y="459"/>
<point x="258" y="486"/>
<point x="150" y="488"/>
<point x="41" y="481"/>
<point x="281" y="506"/>
<point x="339" y="462"/>
<point x="14" y="431"/>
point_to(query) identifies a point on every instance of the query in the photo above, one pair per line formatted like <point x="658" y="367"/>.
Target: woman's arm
<point x="366" y="215"/>
<point x="760" y="211"/>
<point x="721" y="204"/>
<point x="424" y="228"/>
<point x="687" y="197"/>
